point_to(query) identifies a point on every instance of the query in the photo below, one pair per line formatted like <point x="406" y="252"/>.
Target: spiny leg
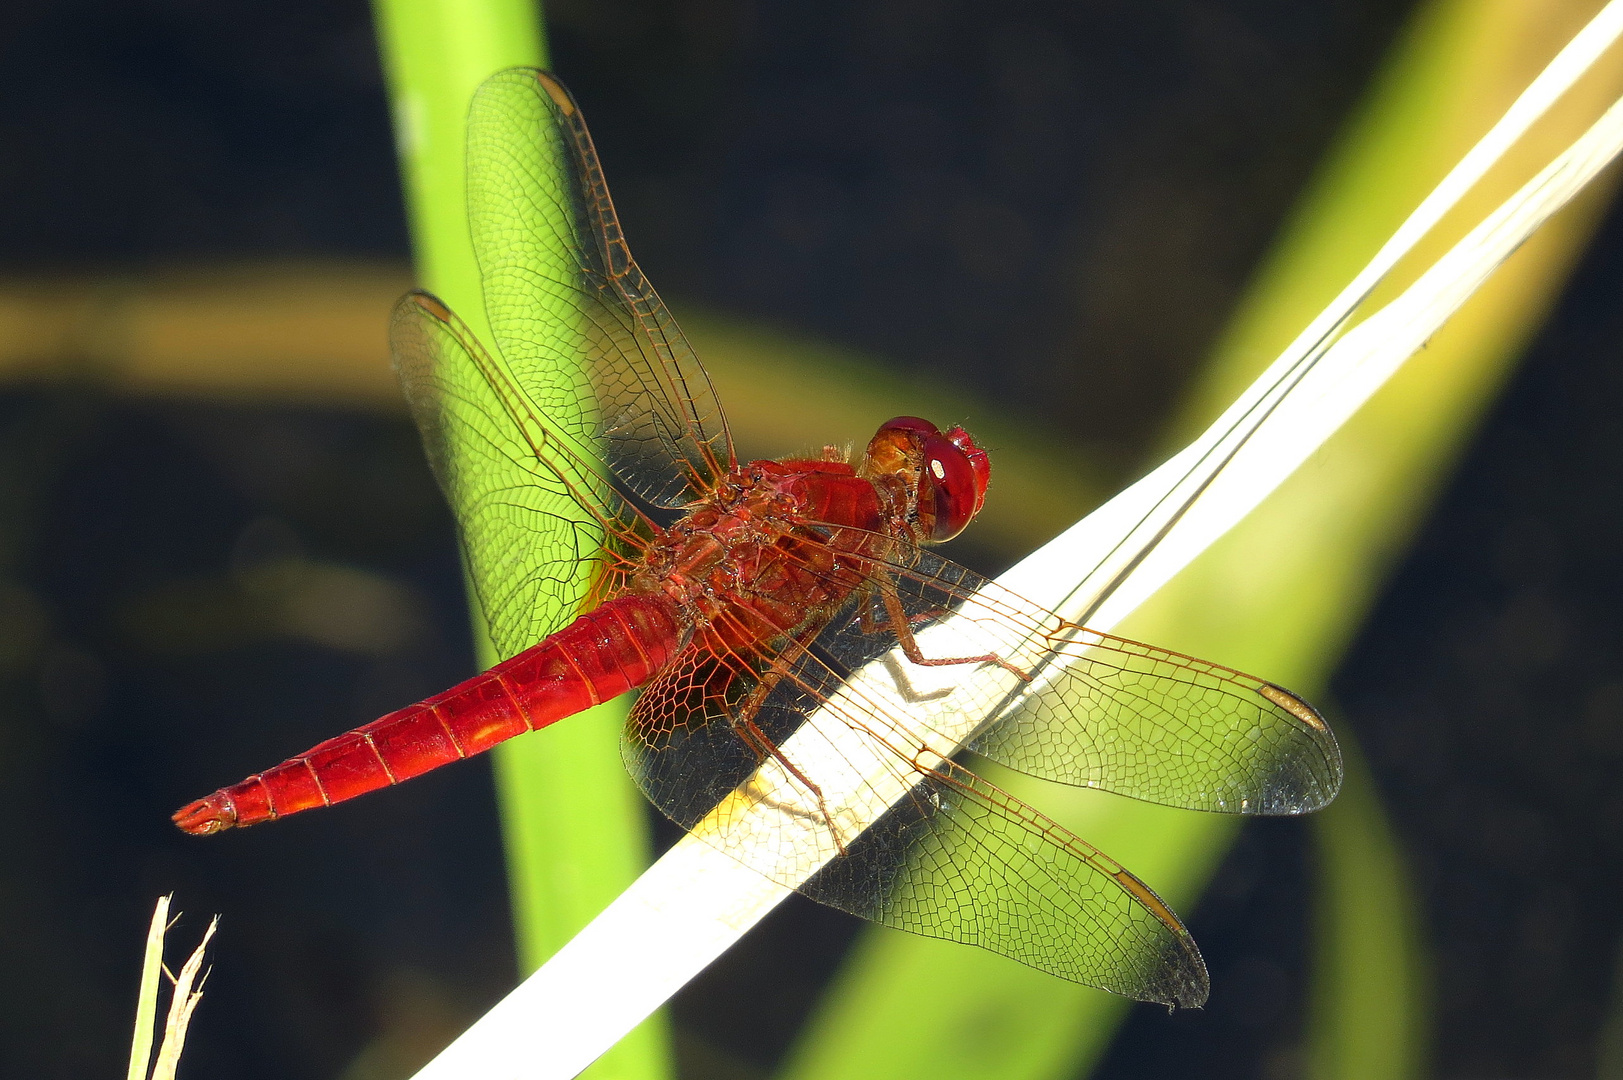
<point x="759" y="742"/>
<point x="872" y="625"/>
<point x="903" y="629"/>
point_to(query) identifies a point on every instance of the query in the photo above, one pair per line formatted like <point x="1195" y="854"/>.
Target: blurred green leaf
<point x="1368" y="1008"/>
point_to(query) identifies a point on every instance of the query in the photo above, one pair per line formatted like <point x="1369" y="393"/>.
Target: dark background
<point x="1053" y="205"/>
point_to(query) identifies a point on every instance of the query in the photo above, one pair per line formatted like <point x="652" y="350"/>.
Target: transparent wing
<point x="960" y="859"/>
<point x="777" y="753"/>
<point x="1093" y="710"/>
<point x="543" y="531"/>
<point x="681" y="744"/>
<point x="952" y="857"/>
<point x="578" y="325"/>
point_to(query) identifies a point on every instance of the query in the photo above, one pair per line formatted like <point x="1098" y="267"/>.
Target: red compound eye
<point x="977" y="457"/>
<point x="949" y="477"/>
<point x="953" y="471"/>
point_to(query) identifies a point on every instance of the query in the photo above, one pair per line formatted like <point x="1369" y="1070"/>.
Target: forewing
<point x="1092" y="710"/>
<point x="534" y="517"/>
<point x="578" y="324"/>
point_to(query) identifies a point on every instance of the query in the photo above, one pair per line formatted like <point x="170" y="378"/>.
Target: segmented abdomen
<point x="602" y="654"/>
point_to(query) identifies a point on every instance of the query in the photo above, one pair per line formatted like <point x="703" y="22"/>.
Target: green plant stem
<point x="1367" y="1010"/>
<point x="575" y="829"/>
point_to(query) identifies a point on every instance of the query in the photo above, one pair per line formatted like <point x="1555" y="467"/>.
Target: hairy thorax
<point x="749" y="563"/>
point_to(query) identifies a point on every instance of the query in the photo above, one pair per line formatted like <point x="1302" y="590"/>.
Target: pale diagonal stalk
<point x="1325" y="396"/>
<point x="574" y="826"/>
<point x="1204" y="459"/>
<point x="696" y="901"/>
<point x="146" y="1007"/>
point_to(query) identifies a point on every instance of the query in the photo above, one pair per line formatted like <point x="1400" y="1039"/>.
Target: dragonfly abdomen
<point x="602" y="654"/>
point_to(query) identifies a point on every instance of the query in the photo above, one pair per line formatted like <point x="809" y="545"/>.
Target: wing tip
<point x="1181" y="981"/>
<point x="1177" y="979"/>
<point x="1186" y="984"/>
<point x="1326" y="773"/>
<point x="1191" y="991"/>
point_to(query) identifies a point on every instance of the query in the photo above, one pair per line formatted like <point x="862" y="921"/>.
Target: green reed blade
<point x="576" y="834"/>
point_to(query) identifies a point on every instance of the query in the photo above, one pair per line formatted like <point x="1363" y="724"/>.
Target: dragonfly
<point x="616" y="542"/>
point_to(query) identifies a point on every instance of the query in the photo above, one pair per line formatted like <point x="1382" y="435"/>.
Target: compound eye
<point x="948" y="477"/>
<point x="977" y="457"/>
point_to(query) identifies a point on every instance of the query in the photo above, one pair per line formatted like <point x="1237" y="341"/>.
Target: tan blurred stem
<point x="312" y="333"/>
<point x="1283" y="593"/>
<point x="185" y="994"/>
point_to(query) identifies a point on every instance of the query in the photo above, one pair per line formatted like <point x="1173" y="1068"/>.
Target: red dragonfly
<point x="740" y="596"/>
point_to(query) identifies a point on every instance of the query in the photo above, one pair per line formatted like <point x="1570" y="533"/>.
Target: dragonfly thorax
<point x="775" y="545"/>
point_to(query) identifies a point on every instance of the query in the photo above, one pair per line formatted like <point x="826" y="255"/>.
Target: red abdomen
<point x="600" y="655"/>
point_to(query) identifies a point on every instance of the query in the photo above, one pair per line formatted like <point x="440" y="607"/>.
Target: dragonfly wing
<point x="1096" y="710"/>
<point x="960" y="859"/>
<point x="680" y="744"/>
<point x="530" y="509"/>
<point x="580" y="327"/>
<point x="949" y="856"/>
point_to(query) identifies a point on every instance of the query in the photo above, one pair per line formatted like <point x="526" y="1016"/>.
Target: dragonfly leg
<point x="760" y="743"/>
<point x="764" y="747"/>
<point x="872" y="625"/>
<point x="910" y="647"/>
<point x="866" y="620"/>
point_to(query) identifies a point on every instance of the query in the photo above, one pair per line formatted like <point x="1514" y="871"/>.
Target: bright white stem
<point x="1353" y="369"/>
<point x="697" y="901"/>
<point x="1204" y="458"/>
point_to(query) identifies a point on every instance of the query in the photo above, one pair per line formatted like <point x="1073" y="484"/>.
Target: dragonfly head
<point x="946" y="472"/>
